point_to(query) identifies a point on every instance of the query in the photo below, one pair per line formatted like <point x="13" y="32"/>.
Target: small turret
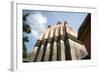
<point x="65" y="22"/>
<point x="49" y="26"/>
<point x="58" y="22"/>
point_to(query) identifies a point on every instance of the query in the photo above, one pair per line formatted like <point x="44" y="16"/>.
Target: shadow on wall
<point x="84" y="34"/>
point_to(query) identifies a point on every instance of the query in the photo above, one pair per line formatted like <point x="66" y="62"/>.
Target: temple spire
<point x="59" y="22"/>
<point x="65" y="22"/>
<point x="49" y="26"/>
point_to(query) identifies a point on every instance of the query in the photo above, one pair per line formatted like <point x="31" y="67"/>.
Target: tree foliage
<point x="26" y="29"/>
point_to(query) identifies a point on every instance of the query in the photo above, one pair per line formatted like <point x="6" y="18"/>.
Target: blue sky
<point x="39" y="20"/>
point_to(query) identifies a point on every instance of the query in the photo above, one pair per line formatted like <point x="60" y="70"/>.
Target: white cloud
<point x="37" y="23"/>
<point x="35" y="34"/>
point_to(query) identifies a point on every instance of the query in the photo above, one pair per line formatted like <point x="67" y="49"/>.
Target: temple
<point x="58" y="43"/>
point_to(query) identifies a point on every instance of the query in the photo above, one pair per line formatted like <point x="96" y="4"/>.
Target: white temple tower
<point x="58" y="43"/>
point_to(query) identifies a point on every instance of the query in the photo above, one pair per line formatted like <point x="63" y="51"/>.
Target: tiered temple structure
<point x="58" y="43"/>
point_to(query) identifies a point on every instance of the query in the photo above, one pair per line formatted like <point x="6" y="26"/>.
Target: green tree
<point x="26" y="29"/>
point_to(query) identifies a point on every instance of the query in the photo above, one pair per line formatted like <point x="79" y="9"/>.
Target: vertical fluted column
<point x="66" y="40"/>
<point x="48" y="48"/>
<point x="54" y="55"/>
<point x="56" y="46"/>
<point x="62" y="43"/>
<point x="43" y="46"/>
<point x="37" y="46"/>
